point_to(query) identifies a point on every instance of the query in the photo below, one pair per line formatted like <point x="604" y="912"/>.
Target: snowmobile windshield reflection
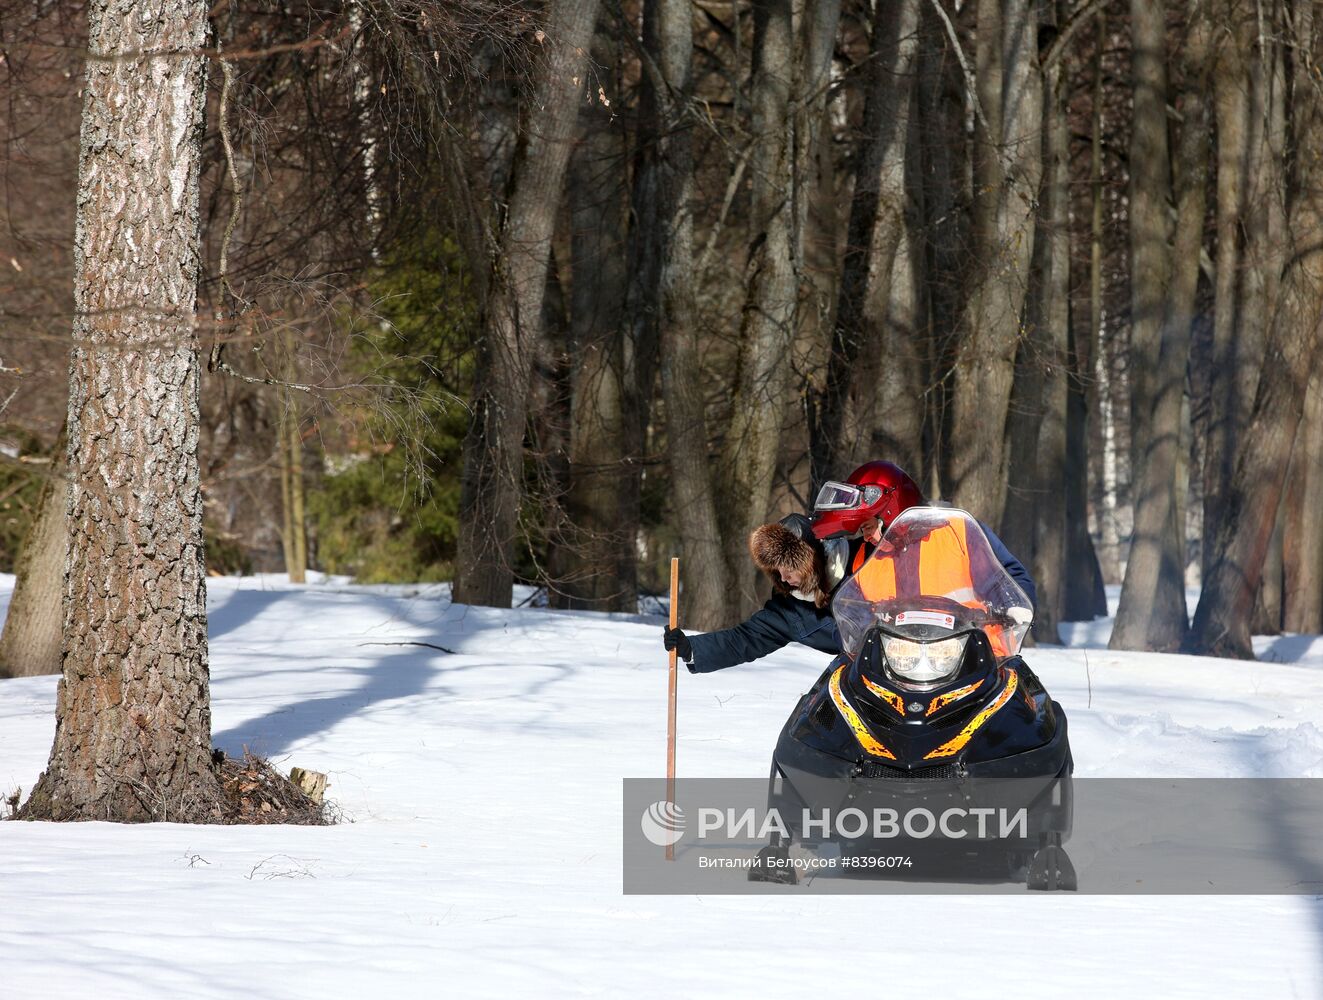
<point x="931" y="582"/>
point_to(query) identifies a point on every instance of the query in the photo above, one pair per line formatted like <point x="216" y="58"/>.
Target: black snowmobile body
<point x="991" y="739"/>
<point x="985" y="737"/>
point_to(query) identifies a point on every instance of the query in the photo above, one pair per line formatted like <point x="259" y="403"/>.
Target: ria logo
<point x="663" y="823"/>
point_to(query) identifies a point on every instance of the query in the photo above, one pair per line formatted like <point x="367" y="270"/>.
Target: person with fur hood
<point x="808" y="559"/>
<point x="799" y="609"/>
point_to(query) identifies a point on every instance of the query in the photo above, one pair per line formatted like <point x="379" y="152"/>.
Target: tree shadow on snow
<point x="405" y="673"/>
<point x="240" y="609"/>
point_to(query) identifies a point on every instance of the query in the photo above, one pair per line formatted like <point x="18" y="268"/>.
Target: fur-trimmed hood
<point x="789" y="544"/>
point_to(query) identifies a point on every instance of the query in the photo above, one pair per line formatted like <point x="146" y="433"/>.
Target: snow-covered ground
<point x="481" y="850"/>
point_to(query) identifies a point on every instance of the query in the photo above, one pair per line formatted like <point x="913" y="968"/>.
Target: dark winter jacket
<point x="785" y="619"/>
<point x="779" y="622"/>
<point x="1012" y="566"/>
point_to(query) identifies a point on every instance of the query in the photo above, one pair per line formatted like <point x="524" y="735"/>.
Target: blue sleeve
<point x="763" y="632"/>
<point x="781" y="621"/>
<point x="1012" y="566"/>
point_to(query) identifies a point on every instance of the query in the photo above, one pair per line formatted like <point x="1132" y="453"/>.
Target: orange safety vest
<point x="940" y="567"/>
<point x="937" y="566"/>
<point x="861" y="554"/>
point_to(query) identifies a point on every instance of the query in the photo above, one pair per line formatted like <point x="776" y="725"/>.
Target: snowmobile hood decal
<point x="856" y="724"/>
<point x="957" y="743"/>
<point x="890" y="697"/>
<point x="942" y="700"/>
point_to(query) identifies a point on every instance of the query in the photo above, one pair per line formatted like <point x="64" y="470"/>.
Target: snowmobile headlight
<point x="924" y="662"/>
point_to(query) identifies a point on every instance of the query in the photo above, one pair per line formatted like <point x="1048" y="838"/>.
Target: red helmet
<point x="875" y="489"/>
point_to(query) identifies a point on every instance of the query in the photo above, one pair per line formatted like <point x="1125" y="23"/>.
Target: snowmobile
<point x="931" y="712"/>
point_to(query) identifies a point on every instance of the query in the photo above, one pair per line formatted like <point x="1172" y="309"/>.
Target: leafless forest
<point x="506" y="292"/>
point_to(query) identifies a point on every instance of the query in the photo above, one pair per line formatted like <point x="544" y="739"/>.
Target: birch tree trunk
<point x="492" y="489"/>
<point x="133" y="715"/>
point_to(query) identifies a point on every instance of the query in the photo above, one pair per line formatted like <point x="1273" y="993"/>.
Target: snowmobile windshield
<point x="932" y="577"/>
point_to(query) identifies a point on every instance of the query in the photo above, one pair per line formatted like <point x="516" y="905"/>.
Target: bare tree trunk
<point x="1150" y="228"/>
<point x="1098" y="371"/>
<point x="1251" y="94"/>
<point x="133" y="713"/>
<point x="286" y="490"/>
<point x="943" y="167"/>
<point x="1152" y="612"/>
<point x="1051" y="468"/>
<point x="816" y="227"/>
<point x="1007" y="169"/>
<point x="294" y="537"/>
<point x="1267" y="616"/>
<point x="708" y="601"/>
<point x="866" y="344"/>
<point x="1302" y="543"/>
<point x="298" y="569"/>
<point x="1083" y="594"/>
<point x="603" y="524"/>
<point x="1226" y="603"/>
<point x="1231" y="93"/>
<point x="30" y="643"/>
<point x="767" y="327"/>
<point x="492" y="488"/>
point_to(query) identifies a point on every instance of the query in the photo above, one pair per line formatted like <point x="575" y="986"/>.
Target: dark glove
<point x="673" y="638"/>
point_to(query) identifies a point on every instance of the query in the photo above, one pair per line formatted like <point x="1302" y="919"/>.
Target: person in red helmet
<point x="869" y="500"/>
<point x="807" y="560"/>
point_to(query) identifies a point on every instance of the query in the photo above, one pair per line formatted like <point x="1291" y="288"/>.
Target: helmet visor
<point x="838" y="496"/>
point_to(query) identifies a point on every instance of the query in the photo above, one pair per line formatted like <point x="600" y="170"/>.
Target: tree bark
<point x="866" y="344"/>
<point x="1152" y="612"/>
<point x="707" y="595"/>
<point x="1226" y="603"/>
<point x="1251" y="210"/>
<point x="816" y="227"/>
<point x="133" y="715"/>
<point x="603" y="512"/>
<point x="294" y="535"/>
<point x="1231" y="93"/>
<point x="1007" y="171"/>
<point x="767" y="326"/>
<point x="1052" y="335"/>
<point x="943" y="166"/>
<point x="492" y="490"/>
<point x="1097" y="373"/>
<point x="1268" y="604"/>
<point x="1083" y="594"/>
<point x="1150" y="228"/>
<point x="1302" y="543"/>
<point x="30" y="643"/>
